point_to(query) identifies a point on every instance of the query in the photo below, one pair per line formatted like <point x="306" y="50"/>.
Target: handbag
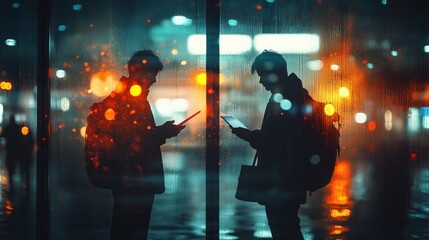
<point x="249" y="184"/>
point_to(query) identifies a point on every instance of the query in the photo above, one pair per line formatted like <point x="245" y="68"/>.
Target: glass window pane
<point x="92" y="42"/>
<point x="18" y="119"/>
<point x="367" y="59"/>
<point x="372" y="68"/>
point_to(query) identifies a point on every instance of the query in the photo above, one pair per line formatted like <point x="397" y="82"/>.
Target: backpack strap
<point x="255" y="159"/>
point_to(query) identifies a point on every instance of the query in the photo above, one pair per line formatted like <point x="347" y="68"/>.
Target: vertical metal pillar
<point x="212" y="119"/>
<point x="43" y="115"/>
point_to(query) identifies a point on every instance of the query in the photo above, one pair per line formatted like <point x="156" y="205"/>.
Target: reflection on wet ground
<point x="17" y="211"/>
<point x="355" y="205"/>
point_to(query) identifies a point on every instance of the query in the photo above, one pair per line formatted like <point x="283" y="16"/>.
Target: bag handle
<point x="255" y="159"/>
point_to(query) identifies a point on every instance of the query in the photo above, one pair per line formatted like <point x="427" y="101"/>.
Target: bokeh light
<point x="65" y="104"/>
<point x="315" y="159"/>
<point x="360" y="117"/>
<point x="388" y="120"/>
<point x="344" y="92"/>
<point x="120" y="87"/>
<point x="425" y="122"/>
<point x="372" y="126"/>
<point x="413" y="120"/>
<point x="277" y="97"/>
<point x="167" y="106"/>
<point x="201" y="78"/>
<point x="285" y="104"/>
<point x="10" y="42"/>
<point x="77" y="7"/>
<point x="83" y="131"/>
<point x="25" y="130"/>
<point x="6" y="85"/>
<point x="329" y="109"/>
<point x="60" y="73"/>
<point x="232" y="22"/>
<point x="102" y="83"/>
<point x="181" y="21"/>
<point x="135" y="90"/>
<point x="335" y="67"/>
<point x="315" y="65"/>
<point x="62" y="28"/>
<point x="110" y="114"/>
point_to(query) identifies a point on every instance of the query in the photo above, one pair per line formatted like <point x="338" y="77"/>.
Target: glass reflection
<point x="377" y="49"/>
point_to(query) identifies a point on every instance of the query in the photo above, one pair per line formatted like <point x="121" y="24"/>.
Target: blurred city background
<point x="369" y="59"/>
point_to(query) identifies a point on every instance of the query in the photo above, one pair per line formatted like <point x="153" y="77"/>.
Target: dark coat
<point x="123" y="142"/>
<point x="281" y="140"/>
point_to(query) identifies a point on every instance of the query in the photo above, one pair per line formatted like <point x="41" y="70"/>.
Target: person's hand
<point x="242" y="133"/>
<point x="169" y="129"/>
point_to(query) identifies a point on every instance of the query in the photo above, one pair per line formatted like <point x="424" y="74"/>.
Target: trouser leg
<point x="131" y="215"/>
<point x="284" y="221"/>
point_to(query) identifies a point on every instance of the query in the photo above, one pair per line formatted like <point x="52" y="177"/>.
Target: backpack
<point x="320" y="141"/>
<point x="119" y="148"/>
<point x="98" y="146"/>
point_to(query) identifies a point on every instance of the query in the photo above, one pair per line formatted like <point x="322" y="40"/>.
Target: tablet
<point x="189" y="118"/>
<point x="233" y="121"/>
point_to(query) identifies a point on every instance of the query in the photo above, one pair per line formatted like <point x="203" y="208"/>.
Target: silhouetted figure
<point x="126" y="133"/>
<point x="278" y="144"/>
<point x="12" y="134"/>
<point x="26" y="155"/>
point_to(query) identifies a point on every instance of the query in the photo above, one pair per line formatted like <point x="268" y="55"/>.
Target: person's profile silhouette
<point x="124" y="141"/>
<point x="276" y="144"/>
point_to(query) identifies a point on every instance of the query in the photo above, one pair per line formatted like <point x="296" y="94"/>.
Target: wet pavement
<point x="362" y="202"/>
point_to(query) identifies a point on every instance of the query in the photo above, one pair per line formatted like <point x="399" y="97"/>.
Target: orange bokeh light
<point x="110" y="114"/>
<point x="102" y="83"/>
<point x="135" y="90"/>
<point x="372" y="125"/>
<point x="83" y="131"/>
<point x="201" y="78"/>
<point x="335" y="213"/>
<point x="120" y="87"/>
<point x="25" y="130"/>
<point x="6" y="85"/>
<point x="340" y="185"/>
<point x="329" y="109"/>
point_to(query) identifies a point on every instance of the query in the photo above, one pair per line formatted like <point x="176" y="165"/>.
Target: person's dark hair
<point x="145" y="60"/>
<point x="270" y="61"/>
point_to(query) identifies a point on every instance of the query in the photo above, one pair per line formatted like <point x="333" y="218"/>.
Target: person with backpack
<point x="122" y="148"/>
<point x="292" y="128"/>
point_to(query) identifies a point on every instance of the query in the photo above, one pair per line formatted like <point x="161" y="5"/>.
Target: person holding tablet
<point x="276" y="144"/>
<point x="124" y="142"/>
